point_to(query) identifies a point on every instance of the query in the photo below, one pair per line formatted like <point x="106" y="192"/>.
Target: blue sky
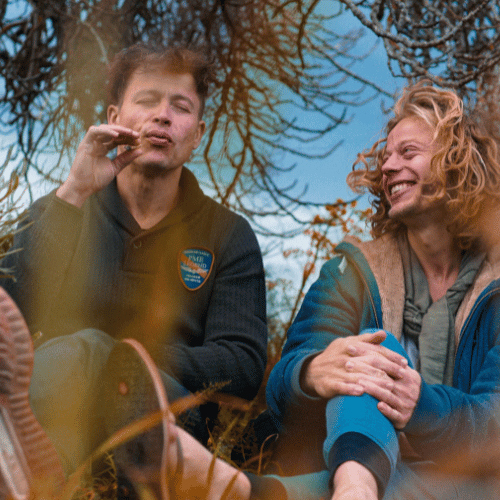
<point x="326" y="178"/>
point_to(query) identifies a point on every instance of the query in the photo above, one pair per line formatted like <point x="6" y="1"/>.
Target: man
<point x="130" y="247"/>
<point x="423" y="278"/>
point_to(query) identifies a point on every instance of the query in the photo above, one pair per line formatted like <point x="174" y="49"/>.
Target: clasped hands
<point x="359" y="364"/>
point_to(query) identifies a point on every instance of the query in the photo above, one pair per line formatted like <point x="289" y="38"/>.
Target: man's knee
<point x="391" y="342"/>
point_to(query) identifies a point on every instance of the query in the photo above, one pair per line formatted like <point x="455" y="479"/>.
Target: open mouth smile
<point x="399" y="187"/>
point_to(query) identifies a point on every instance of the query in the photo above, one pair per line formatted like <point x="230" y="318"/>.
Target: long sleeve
<point x="466" y="416"/>
<point x="234" y="348"/>
<point x="96" y="268"/>
<point x="43" y="249"/>
<point x="338" y="304"/>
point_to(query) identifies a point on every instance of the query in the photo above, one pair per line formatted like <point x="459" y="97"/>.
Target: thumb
<point x="376" y="337"/>
<point x="123" y="159"/>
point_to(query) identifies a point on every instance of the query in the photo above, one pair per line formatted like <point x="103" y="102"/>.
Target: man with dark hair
<point x="130" y="247"/>
<point x="178" y="60"/>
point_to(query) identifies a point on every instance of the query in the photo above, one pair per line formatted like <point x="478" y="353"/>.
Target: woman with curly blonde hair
<point x="465" y="170"/>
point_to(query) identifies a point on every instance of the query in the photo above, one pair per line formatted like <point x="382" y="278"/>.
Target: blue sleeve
<point x="337" y="305"/>
<point x="466" y="417"/>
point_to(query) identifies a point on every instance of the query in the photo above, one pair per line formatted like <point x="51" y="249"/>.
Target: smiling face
<point x="406" y="169"/>
<point x="165" y="109"/>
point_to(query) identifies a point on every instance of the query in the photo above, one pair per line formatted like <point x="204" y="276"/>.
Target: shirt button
<point x="137" y="244"/>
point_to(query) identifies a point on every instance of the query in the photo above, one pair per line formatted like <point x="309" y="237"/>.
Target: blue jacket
<point x="363" y="287"/>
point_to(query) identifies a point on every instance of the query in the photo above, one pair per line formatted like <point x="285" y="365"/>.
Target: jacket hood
<point x="384" y="259"/>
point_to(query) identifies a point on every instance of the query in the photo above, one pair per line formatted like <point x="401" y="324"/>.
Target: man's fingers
<point x="331" y="387"/>
<point x="346" y="389"/>
<point x="355" y="347"/>
<point x="373" y="338"/>
<point x="101" y="134"/>
<point x="392" y="414"/>
<point x="380" y="389"/>
<point x="111" y="131"/>
<point x="368" y="369"/>
<point x="112" y="136"/>
<point x="128" y="139"/>
<point x="123" y="159"/>
<point x="375" y="365"/>
<point x="392" y="367"/>
<point x="398" y="403"/>
<point x="366" y="347"/>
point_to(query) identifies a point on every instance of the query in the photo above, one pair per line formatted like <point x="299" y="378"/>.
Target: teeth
<point x="399" y="187"/>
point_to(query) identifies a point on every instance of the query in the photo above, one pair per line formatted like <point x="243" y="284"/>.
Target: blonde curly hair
<point x="465" y="168"/>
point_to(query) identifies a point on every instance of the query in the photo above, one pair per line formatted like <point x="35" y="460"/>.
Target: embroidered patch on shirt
<point x="195" y="266"/>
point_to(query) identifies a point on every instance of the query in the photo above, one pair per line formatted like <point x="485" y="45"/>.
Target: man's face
<point x="406" y="170"/>
<point x="164" y="108"/>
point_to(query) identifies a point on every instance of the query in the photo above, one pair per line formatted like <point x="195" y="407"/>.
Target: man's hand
<point x="338" y="369"/>
<point x="92" y="170"/>
<point x="398" y="403"/>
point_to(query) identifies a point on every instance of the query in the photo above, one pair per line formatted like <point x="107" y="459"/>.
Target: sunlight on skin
<point x="197" y="462"/>
<point x="353" y="481"/>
